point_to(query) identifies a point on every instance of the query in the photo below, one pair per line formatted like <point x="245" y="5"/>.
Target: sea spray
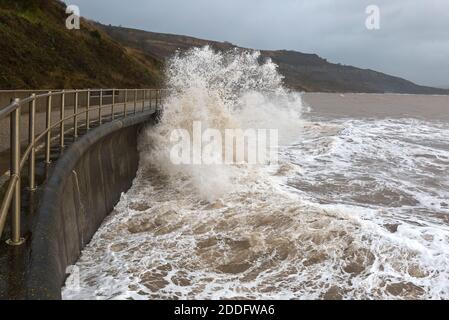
<point x="221" y="90"/>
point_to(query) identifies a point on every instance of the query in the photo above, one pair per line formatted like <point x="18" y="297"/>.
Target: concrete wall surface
<point x="82" y="190"/>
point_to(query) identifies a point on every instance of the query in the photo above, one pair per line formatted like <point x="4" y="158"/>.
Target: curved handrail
<point x="9" y="108"/>
<point x="4" y="112"/>
<point x="27" y="151"/>
<point x="7" y="201"/>
<point x="18" y="160"/>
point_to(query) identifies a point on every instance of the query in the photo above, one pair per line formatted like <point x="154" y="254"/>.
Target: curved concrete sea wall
<point x="83" y="188"/>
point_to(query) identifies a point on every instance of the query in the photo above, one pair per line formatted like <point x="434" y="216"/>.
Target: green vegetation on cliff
<point x="37" y="51"/>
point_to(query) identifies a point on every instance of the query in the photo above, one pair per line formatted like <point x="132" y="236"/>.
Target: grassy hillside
<point x="37" y="51"/>
<point x="302" y="71"/>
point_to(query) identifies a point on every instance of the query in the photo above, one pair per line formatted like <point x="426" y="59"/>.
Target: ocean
<point x="356" y="207"/>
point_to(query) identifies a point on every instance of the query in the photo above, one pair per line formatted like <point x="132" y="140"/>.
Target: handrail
<point x="53" y="126"/>
<point x="8" y="109"/>
<point x="14" y="105"/>
<point x="12" y="198"/>
<point x="7" y="201"/>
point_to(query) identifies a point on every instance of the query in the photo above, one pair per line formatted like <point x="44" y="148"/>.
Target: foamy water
<point x="355" y="208"/>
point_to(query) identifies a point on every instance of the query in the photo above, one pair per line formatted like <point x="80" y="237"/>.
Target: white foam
<point x="354" y="209"/>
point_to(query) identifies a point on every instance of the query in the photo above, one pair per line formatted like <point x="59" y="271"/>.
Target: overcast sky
<point x="412" y="42"/>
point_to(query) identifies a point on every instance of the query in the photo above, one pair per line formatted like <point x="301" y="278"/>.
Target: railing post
<point x="47" y="127"/>
<point x="143" y="100"/>
<point x="151" y="97"/>
<point x="75" y="116"/>
<point x="113" y="104"/>
<point x="100" y="107"/>
<point x="62" y="125"/>
<point x="15" y="239"/>
<point x="147" y="98"/>
<point x="87" y="110"/>
<point x="31" y="140"/>
<point x="135" y="101"/>
<point x="126" y="100"/>
<point x="146" y="95"/>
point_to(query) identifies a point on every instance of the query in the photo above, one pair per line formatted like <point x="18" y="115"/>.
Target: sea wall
<point x="83" y="188"/>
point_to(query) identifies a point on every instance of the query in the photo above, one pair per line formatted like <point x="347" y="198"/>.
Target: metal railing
<point x="130" y="101"/>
